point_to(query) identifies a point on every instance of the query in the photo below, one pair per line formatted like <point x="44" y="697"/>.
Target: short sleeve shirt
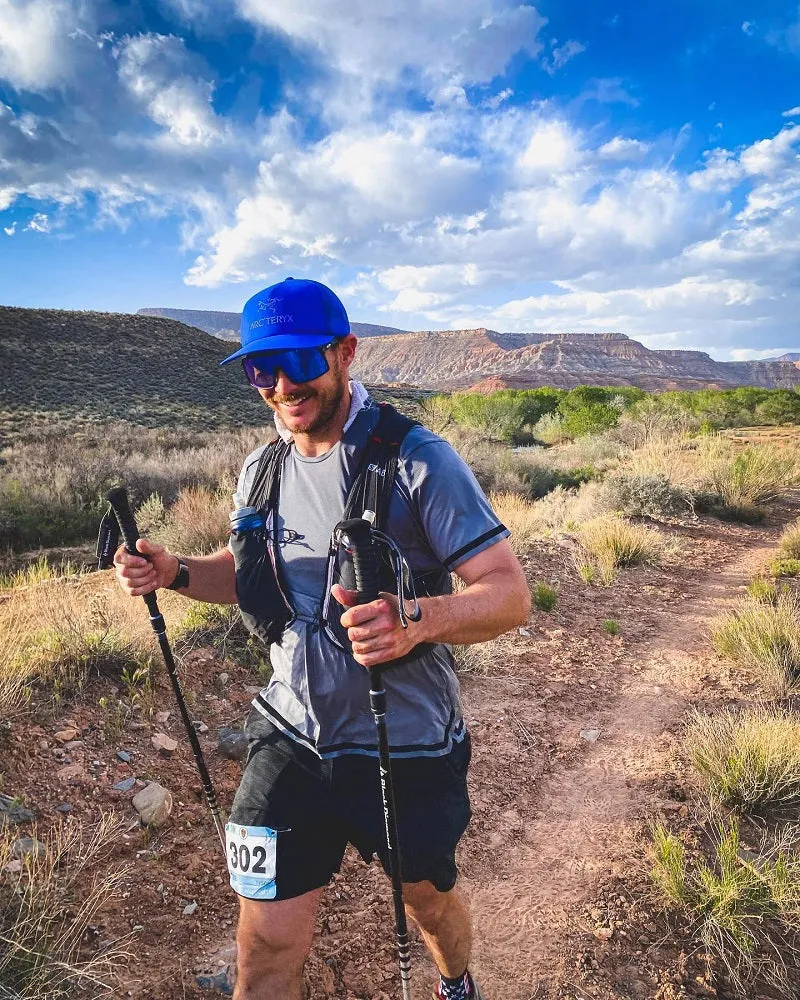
<point x="439" y="517"/>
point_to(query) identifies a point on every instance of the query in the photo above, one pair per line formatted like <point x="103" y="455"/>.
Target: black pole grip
<point x="358" y="535"/>
<point x="118" y="498"/>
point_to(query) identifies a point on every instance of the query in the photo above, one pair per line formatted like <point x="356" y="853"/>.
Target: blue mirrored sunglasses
<point x="300" y="364"/>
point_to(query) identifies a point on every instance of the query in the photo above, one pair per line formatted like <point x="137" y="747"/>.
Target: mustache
<point x="292" y="397"/>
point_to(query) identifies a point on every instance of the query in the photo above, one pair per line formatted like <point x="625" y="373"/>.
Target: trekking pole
<point x="118" y="499"/>
<point x="357" y="534"/>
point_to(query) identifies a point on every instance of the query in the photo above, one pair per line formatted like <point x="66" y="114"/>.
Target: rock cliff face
<point x="484" y="360"/>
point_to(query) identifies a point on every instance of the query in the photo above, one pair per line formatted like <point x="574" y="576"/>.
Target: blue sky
<point x="565" y="166"/>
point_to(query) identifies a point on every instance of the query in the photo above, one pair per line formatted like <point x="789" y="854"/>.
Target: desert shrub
<point x="550" y="429"/>
<point x="612" y="543"/>
<point x="741" y="905"/>
<point x="611" y="626"/>
<point x="763" y="591"/>
<point x="751" y="759"/>
<point x="544" y="596"/>
<point x="196" y="523"/>
<point x="496" y="468"/>
<point x="753" y="475"/>
<point x="645" y="496"/>
<point x="220" y="626"/>
<point x="52" y="489"/>
<point x="47" y="907"/>
<point x="763" y="638"/>
<point x="790" y="542"/>
<point x="785" y="567"/>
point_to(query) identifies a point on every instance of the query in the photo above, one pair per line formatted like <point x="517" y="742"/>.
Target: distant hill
<point x="792" y="356"/>
<point x="485" y="360"/>
<point x="225" y="325"/>
<point x="85" y="367"/>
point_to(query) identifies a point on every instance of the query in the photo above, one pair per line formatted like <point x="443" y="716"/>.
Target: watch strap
<point x="181" y="580"/>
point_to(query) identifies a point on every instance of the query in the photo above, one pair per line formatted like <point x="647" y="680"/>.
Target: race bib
<point x="252" y="857"/>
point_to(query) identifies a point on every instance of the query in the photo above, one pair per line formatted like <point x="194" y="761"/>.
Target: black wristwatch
<point x="181" y="580"/>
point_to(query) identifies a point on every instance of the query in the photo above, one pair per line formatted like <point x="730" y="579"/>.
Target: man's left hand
<point x="374" y="629"/>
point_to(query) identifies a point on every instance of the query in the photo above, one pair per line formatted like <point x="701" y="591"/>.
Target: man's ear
<point x="347" y="349"/>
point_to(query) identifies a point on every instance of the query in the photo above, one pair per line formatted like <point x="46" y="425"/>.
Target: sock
<point x="459" y="988"/>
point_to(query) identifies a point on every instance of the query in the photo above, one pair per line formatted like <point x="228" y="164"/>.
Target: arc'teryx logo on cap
<point x="269" y="303"/>
<point x="271" y="320"/>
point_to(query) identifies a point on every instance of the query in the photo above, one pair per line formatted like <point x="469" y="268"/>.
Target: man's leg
<point x="274" y="939"/>
<point x="445" y="923"/>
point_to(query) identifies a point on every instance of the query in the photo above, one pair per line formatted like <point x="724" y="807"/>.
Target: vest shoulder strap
<point x="374" y="481"/>
<point x="268" y="472"/>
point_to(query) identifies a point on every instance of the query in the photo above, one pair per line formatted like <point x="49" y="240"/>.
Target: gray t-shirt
<point x="439" y="517"/>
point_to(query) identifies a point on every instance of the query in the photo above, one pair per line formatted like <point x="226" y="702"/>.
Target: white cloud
<point x="747" y="27"/>
<point x="156" y="70"/>
<point x="40" y="223"/>
<point x="792" y="112"/>
<point x="562" y="54"/>
<point x="10" y="230"/>
<point x="35" y="43"/>
<point x="620" y="148"/>
<point x="746" y="354"/>
<point x="471" y="41"/>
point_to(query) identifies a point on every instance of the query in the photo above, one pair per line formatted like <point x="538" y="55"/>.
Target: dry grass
<point x="763" y="638"/>
<point x="47" y="907"/>
<point x="196" y="524"/>
<point x="743" y="906"/>
<point x="612" y="543"/>
<point x="790" y="542"/>
<point x="738" y="477"/>
<point x="481" y="658"/>
<point x="751" y="759"/>
<point x="560" y="511"/>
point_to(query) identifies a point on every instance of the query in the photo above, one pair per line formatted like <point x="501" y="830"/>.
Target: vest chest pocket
<point x="262" y="601"/>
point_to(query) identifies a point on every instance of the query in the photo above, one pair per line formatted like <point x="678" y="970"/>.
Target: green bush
<point x="790" y="541"/>
<point x="544" y="597"/>
<point x="764" y="638"/>
<point x="785" y="567"/>
<point x="611" y="626"/>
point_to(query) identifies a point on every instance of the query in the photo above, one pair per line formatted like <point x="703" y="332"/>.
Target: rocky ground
<point x="576" y="749"/>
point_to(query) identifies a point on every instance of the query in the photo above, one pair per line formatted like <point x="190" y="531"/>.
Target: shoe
<point x="476" y="994"/>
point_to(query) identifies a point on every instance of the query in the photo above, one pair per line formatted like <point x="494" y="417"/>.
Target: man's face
<point x="310" y="407"/>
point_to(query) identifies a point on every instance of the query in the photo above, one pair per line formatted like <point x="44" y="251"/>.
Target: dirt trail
<point x="557" y="839"/>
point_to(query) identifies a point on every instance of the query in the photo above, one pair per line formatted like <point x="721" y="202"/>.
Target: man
<point x="310" y="785"/>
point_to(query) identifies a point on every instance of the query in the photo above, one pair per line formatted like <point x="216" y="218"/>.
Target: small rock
<point x="64" y="807"/>
<point x="200" y="727"/>
<point x="11" y="811"/>
<point x="153" y="803"/>
<point x="164" y="744"/>
<point x="65" y="735"/>
<point x="223" y="679"/>
<point x="232" y="744"/>
<point x="523" y="631"/>
<point x="590" y="735"/>
<point x="126" y="785"/>
<point x="28" y="845"/>
<point x="44" y="745"/>
<point x="603" y="933"/>
<point x="124" y="756"/>
<point x="13" y="867"/>
<point x="161" y="717"/>
<point x="190" y="908"/>
<point x="219" y="982"/>
<point x="73" y="745"/>
<point x="252" y="689"/>
<point x="71" y="772"/>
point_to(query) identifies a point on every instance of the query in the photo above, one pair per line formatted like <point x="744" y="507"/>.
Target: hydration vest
<point x="261" y="590"/>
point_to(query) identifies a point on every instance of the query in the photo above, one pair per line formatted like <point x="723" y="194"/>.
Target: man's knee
<point x="425" y="903"/>
<point x="275" y="934"/>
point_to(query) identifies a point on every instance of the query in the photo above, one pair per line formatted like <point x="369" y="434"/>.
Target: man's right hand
<point x="138" y="576"/>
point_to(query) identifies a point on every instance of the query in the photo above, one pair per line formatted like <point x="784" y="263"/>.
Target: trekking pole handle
<point x="118" y="498"/>
<point x="357" y="533"/>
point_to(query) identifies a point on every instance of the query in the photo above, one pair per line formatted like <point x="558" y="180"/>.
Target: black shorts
<point x="294" y="814"/>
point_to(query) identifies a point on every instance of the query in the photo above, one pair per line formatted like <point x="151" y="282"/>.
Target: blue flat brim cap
<point x="297" y="312"/>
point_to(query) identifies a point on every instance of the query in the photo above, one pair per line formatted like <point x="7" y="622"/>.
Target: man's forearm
<point x="482" y="611"/>
<point x="211" y="578"/>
